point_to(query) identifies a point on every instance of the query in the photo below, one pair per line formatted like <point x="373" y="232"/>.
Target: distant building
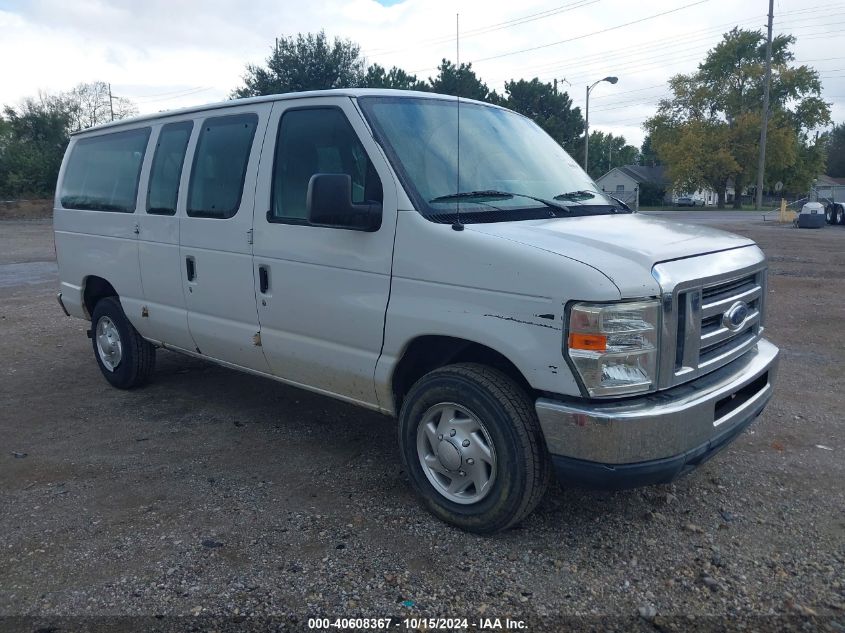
<point x="627" y="183"/>
<point x="829" y="188"/>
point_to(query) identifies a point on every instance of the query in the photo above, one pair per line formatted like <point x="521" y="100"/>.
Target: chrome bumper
<point x="664" y="424"/>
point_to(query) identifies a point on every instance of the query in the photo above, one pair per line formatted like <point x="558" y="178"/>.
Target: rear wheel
<point x="472" y="447"/>
<point x="840" y="214"/>
<point x="830" y="214"/>
<point x="124" y="357"/>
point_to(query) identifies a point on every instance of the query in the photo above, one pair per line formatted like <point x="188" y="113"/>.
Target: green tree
<point x="707" y="133"/>
<point x="648" y="155"/>
<point x="305" y="62"/>
<point x="608" y="151"/>
<point x="463" y="82"/>
<point x="33" y="138"/>
<point x="396" y="78"/>
<point x="696" y="154"/>
<point x="88" y="105"/>
<point x="651" y="194"/>
<point x="551" y="110"/>
<point x="835" y="147"/>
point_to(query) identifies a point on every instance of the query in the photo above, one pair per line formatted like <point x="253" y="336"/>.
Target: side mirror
<point x="329" y="203"/>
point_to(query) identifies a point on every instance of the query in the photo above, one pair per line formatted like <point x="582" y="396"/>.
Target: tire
<point x="839" y="211"/>
<point x="516" y="465"/>
<point x="830" y="214"/>
<point x="124" y="357"/>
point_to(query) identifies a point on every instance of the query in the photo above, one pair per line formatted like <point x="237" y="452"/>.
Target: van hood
<point x="622" y="247"/>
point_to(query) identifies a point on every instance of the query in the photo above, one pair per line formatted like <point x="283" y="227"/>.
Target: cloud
<point x="165" y="54"/>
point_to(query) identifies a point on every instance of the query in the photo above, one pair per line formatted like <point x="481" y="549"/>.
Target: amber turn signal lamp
<point x="588" y="342"/>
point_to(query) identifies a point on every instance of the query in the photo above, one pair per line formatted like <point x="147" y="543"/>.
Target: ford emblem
<point x="735" y="316"/>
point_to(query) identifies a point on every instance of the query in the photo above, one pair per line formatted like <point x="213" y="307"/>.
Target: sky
<point x="166" y="54"/>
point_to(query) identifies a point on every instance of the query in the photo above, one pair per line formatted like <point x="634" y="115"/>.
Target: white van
<point x="514" y="318"/>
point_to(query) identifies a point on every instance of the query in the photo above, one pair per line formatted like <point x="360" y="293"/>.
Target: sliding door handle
<point x="191" y="268"/>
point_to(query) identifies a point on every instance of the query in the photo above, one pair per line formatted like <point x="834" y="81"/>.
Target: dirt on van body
<point x="215" y="493"/>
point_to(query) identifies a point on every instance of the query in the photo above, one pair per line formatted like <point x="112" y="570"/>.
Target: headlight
<point x="614" y="346"/>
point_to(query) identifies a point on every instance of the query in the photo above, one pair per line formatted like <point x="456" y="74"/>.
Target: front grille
<point x="697" y="336"/>
<point x="716" y="292"/>
<point x="718" y="340"/>
<point x="717" y="350"/>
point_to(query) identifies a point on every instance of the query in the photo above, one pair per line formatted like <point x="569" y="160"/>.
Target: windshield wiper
<point x="493" y="194"/>
<point x="623" y="204"/>
<point x="576" y="196"/>
<point x="486" y="193"/>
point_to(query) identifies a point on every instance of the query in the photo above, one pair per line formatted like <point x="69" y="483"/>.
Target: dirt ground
<point x="39" y="208"/>
<point x="211" y="493"/>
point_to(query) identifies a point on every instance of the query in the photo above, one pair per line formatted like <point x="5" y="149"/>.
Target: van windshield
<point x="510" y="169"/>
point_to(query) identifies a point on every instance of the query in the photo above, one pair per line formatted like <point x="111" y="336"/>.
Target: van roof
<point x="339" y="92"/>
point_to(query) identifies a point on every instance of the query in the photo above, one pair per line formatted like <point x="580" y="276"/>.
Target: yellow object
<point x="786" y="215"/>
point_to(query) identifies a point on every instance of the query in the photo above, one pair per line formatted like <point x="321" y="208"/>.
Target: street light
<point x="611" y="80"/>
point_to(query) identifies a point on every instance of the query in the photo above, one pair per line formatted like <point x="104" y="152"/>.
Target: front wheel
<point x="124" y="357"/>
<point x="830" y="214"/>
<point x="472" y="447"/>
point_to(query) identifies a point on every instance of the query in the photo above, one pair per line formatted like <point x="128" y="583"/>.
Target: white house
<point x="625" y="182"/>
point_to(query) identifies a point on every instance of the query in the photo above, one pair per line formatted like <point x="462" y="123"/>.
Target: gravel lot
<point x="214" y="493"/>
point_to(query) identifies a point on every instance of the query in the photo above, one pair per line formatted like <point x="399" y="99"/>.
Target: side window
<point x="620" y="188"/>
<point x="167" y="167"/>
<point x="317" y="141"/>
<point x="220" y="161"/>
<point x="102" y="172"/>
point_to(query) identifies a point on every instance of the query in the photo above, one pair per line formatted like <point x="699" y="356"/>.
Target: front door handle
<point x="263" y="279"/>
<point x="191" y="268"/>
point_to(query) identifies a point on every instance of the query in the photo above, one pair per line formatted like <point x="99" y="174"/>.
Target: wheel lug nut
<point x="470" y="461"/>
<point x="462" y="473"/>
<point x="452" y="433"/>
<point x="465" y="443"/>
<point x="440" y="437"/>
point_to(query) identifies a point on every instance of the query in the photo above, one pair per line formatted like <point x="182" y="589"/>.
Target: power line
<point x="185" y="93"/>
<point x="625" y="102"/>
<point x="489" y="28"/>
<point x="631" y="51"/>
<point x="556" y="66"/>
<point x="581" y="37"/>
<point x="640" y="65"/>
<point x="168" y="93"/>
<point x="639" y="57"/>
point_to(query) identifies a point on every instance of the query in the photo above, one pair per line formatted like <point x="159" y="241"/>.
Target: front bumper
<point x="657" y="437"/>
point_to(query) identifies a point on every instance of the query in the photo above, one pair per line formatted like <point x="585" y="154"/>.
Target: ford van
<point x="438" y="260"/>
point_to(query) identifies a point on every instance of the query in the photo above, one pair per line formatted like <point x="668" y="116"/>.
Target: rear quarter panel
<point x="94" y="243"/>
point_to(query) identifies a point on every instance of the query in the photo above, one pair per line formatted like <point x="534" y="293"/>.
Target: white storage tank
<point x="811" y="216"/>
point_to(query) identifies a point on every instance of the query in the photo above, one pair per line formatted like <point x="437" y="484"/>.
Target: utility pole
<point x="555" y="87"/>
<point x="761" y="165"/>
<point x="111" y="105"/>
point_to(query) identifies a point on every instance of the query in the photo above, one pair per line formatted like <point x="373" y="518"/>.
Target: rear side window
<point x="317" y="141"/>
<point x="167" y="167"/>
<point x="220" y="161"/>
<point x="102" y="172"/>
